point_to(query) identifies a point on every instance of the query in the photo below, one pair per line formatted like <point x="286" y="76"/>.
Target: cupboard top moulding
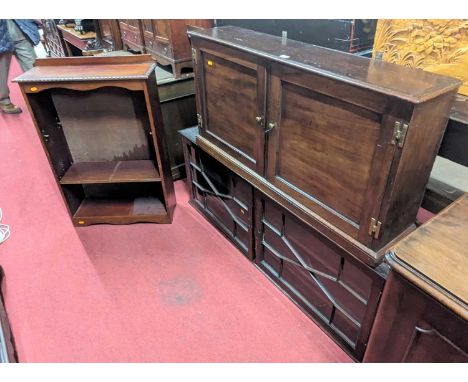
<point x="415" y="86"/>
<point x="100" y="124"/>
<point x="343" y="142"/>
<point x="89" y="69"/>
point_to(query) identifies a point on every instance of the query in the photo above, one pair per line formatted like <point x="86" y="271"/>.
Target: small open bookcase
<point x="100" y="124"/>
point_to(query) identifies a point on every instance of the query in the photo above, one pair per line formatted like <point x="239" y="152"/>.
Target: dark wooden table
<point x="76" y="43"/>
<point x="424" y="309"/>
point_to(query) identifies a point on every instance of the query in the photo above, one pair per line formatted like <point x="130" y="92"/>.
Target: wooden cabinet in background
<point x="177" y="99"/>
<point x="131" y="31"/>
<point x="423" y="313"/>
<point x="345" y="142"/>
<point x="167" y="41"/>
<point x="109" y="32"/>
<point x="100" y="123"/>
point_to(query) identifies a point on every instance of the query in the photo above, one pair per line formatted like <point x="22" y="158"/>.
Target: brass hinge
<point x="199" y="121"/>
<point x="374" y="228"/>
<point x="194" y="55"/>
<point x="399" y="133"/>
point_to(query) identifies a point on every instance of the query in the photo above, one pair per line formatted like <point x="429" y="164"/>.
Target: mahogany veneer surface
<point x="438" y="250"/>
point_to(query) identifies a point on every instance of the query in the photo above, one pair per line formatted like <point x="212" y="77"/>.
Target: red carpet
<point x="137" y="293"/>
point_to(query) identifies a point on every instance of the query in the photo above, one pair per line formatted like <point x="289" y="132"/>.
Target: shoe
<point x="9" y="108"/>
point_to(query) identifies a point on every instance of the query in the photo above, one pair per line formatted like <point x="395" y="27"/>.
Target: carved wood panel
<point x="439" y="46"/>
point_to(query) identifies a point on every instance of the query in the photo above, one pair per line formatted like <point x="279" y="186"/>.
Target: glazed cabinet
<point x="347" y="140"/>
<point x="100" y="123"/>
<point x="337" y="291"/>
<point x="219" y="194"/>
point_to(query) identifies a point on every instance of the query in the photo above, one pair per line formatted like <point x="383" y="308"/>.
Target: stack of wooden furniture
<point x="313" y="161"/>
<point x="165" y="39"/>
<point x="424" y="310"/>
<point x="101" y="126"/>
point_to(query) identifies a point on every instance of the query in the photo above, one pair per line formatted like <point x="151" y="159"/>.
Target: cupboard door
<point x="162" y="30"/>
<point x="233" y="97"/>
<point x="148" y="33"/>
<point x="329" y="147"/>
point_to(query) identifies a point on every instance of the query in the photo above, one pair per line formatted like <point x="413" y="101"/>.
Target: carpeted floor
<point x="137" y="293"/>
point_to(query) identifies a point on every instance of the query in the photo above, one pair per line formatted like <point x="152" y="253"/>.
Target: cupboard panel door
<point x="234" y="101"/>
<point x="162" y="30"/>
<point x="322" y="150"/>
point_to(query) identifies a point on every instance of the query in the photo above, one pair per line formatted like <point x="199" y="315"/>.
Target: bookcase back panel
<point x="106" y="124"/>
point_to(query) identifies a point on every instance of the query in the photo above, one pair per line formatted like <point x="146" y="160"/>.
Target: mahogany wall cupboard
<point x="100" y="123"/>
<point x="345" y="142"/>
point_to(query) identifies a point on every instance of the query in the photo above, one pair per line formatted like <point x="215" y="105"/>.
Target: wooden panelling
<point x="322" y="132"/>
<point x="237" y="131"/>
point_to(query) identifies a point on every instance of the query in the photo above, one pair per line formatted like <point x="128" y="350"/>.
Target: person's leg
<point x="5" y="59"/>
<point x="5" y="104"/>
<point x="24" y="51"/>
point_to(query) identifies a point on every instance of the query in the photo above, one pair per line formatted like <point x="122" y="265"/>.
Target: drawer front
<point x="340" y="293"/>
<point x="223" y="197"/>
<point x="231" y="88"/>
<point x="161" y="48"/>
<point x="411" y="326"/>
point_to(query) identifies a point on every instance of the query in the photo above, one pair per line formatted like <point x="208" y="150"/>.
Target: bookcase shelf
<point x="114" y="211"/>
<point x="111" y="172"/>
